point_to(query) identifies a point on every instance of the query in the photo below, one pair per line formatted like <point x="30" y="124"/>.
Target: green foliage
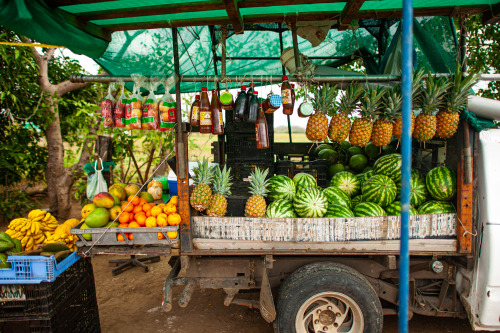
<point x="14" y="203"/>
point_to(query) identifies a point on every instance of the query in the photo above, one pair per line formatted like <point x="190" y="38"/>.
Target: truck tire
<point x="327" y="295"/>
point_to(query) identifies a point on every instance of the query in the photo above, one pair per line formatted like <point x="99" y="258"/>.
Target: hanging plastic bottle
<point x="216" y="109"/>
<point x="293" y="96"/>
<point x="194" y="115"/>
<point x="205" y="113"/>
<point x="240" y="104"/>
<point x="253" y="108"/>
<point x="249" y="98"/>
<point x="261" y="132"/>
<point x="286" y="96"/>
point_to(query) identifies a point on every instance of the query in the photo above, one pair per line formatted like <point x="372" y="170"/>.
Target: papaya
<point x="47" y="254"/>
<point x="54" y="247"/>
<point x="61" y="255"/>
<point x="5" y="246"/>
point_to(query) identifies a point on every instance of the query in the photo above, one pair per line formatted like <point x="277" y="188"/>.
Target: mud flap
<point x="267" y="309"/>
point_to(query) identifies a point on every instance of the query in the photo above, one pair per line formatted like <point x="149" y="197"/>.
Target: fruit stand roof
<point x="130" y="36"/>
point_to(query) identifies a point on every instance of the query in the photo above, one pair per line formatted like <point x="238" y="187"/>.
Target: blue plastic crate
<point x="35" y="269"/>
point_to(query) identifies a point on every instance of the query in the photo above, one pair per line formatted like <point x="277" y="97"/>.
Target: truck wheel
<point x="327" y="297"/>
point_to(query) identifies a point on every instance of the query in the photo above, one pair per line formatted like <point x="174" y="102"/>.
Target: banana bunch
<point x="33" y="230"/>
<point x="63" y="234"/>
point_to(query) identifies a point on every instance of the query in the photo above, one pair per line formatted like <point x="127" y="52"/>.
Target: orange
<point x="135" y="200"/>
<point x="142" y="201"/>
<point x="131" y="217"/>
<point x="137" y="209"/>
<point x="134" y="225"/>
<point x="148" y="213"/>
<point x="147" y="207"/>
<point x="140" y="218"/>
<point x="172" y="234"/>
<point x="162" y="219"/>
<point x="123" y="225"/>
<point x="174" y="219"/>
<point x="161" y="236"/>
<point x="130" y="236"/>
<point x="128" y="208"/>
<point x="120" y="238"/>
<point x="169" y="209"/>
<point x="124" y="217"/>
<point x="156" y="210"/>
<point x="161" y="206"/>
<point x="174" y="200"/>
<point x="151" y="222"/>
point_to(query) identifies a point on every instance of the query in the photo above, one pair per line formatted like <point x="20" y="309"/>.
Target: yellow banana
<point x="47" y="217"/>
<point x="40" y="240"/>
<point x="30" y="242"/>
<point x="24" y="241"/>
<point x="47" y="234"/>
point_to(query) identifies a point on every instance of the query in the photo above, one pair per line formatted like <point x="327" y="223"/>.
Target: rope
<point x="31" y="45"/>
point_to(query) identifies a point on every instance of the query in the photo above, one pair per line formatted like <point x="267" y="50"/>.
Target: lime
<point x="386" y="150"/>
<point x="368" y="168"/>
<point x="329" y="155"/>
<point x="346" y="144"/>
<point x="354" y="151"/>
<point x="333" y="169"/>
<point x="321" y="147"/>
<point x="372" y="151"/>
<point x="358" y="162"/>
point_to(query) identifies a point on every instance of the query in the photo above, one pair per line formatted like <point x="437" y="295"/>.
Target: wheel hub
<point x="327" y="317"/>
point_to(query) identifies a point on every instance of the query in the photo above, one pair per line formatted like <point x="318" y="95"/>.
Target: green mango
<point x="98" y="218"/>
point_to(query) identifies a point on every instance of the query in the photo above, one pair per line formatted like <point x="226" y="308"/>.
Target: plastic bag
<point x="120" y="105"/>
<point x="150" y="120"/>
<point x="167" y="107"/>
<point x="134" y="113"/>
<point x="107" y="106"/>
<point x="96" y="183"/>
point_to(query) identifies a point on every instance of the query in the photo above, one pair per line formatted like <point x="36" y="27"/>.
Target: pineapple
<point x="256" y="204"/>
<point x="456" y="99"/>
<point x="201" y="193"/>
<point x="222" y="185"/>
<point x="317" y="125"/>
<point x="361" y="130"/>
<point x="383" y="126"/>
<point x="340" y="124"/>
<point x="416" y="93"/>
<point x="432" y="98"/>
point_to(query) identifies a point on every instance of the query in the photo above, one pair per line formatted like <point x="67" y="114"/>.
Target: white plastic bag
<point x="96" y="183"/>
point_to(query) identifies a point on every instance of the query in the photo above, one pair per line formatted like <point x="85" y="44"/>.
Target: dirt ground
<point x="131" y="302"/>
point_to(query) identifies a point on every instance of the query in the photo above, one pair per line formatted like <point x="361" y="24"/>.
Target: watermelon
<point x="368" y="209"/>
<point x="366" y="176"/>
<point x="281" y="187"/>
<point x="280" y="208"/>
<point x="338" y="211"/>
<point x="418" y="189"/>
<point x="303" y="179"/>
<point x="356" y="200"/>
<point x="336" y="196"/>
<point x="395" y="209"/>
<point x="347" y="182"/>
<point x="390" y="166"/>
<point x="436" y="207"/>
<point x="379" y="189"/>
<point x="310" y="202"/>
<point x="441" y="183"/>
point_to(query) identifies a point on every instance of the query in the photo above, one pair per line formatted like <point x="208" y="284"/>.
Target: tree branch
<point x="67" y="86"/>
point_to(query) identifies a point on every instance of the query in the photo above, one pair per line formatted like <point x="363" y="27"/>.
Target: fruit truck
<point x="314" y="274"/>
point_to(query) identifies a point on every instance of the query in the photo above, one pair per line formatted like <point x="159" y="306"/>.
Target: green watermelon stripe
<point x="441" y="183"/>
<point x="390" y="166"/>
<point x="379" y="189"/>
<point x="303" y="179"/>
<point x="368" y="209"/>
<point x="310" y="202"/>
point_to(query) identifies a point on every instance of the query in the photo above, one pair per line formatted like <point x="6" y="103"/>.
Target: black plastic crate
<point x="318" y="169"/>
<point x="241" y="170"/>
<point x="244" y="126"/>
<point x="78" y="312"/>
<point x="44" y="298"/>
<point x="242" y="147"/>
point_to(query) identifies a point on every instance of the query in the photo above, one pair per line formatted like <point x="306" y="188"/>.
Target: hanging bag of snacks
<point x="134" y="111"/>
<point x="121" y="103"/>
<point x="166" y="104"/>
<point x="150" y="119"/>
<point x="107" y="106"/>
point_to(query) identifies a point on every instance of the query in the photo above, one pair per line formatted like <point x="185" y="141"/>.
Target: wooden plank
<point x="492" y="16"/>
<point x="266" y="3"/>
<point x="167" y="24"/>
<point x="57" y="3"/>
<point x="349" y="13"/>
<point x="90" y="28"/>
<point x="234" y="15"/>
<point x="464" y="211"/>
<point x="127" y="250"/>
<point x="164" y="9"/>
<point x="417" y="246"/>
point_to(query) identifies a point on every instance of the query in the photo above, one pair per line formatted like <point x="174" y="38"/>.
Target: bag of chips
<point x="107" y="106"/>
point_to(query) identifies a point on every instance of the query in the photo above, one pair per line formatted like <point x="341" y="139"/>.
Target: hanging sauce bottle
<point x="286" y="96"/>
<point x="240" y="104"/>
<point x="253" y="108"/>
<point x="249" y="98"/>
<point x="261" y="133"/>
<point x="216" y="108"/>
<point x="205" y="114"/>
<point x="194" y="116"/>
<point x="293" y="96"/>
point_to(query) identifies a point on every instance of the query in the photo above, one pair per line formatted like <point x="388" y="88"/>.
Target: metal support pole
<point x="284" y="72"/>
<point x="186" y="236"/>
<point x="404" y="260"/>
<point x="466" y="150"/>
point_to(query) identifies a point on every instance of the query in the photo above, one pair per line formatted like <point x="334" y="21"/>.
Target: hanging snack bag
<point x="107" y="107"/>
<point x="150" y="119"/>
<point x="166" y="104"/>
<point x="119" y="110"/>
<point x="133" y="120"/>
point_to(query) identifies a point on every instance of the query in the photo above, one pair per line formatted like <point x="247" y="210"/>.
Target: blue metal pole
<point x="404" y="254"/>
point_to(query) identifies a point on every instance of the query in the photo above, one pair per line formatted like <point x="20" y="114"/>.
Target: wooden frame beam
<point x="492" y="16"/>
<point x="349" y="13"/>
<point x="90" y="28"/>
<point x="234" y="15"/>
<point x="58" y="3"/>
